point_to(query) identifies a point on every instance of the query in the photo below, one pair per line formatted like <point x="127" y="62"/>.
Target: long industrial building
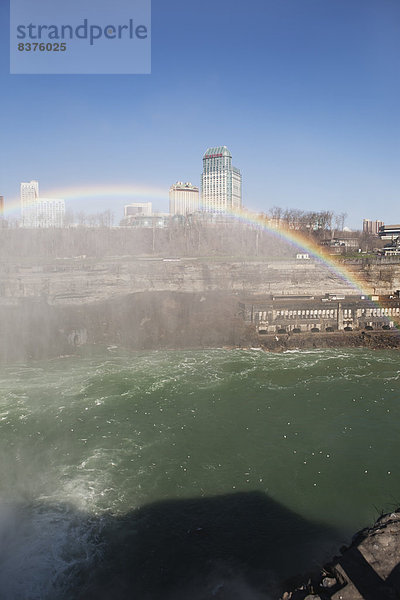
<point x="286" y="314"/>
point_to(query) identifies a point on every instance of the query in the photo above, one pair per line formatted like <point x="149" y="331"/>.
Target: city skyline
<point x="304" y="96"/>
<point x="184" y="198"/>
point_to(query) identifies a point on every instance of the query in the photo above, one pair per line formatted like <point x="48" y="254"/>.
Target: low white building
<point x="138" y="209"/>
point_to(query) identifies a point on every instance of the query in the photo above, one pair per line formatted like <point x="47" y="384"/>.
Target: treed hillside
<point x="177" y="240"/>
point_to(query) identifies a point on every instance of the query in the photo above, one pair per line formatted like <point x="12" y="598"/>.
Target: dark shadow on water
<point x="236" y="546"/>
<point x="242" y="546"/>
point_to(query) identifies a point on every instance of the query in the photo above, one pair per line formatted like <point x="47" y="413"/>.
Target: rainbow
<point x="305" y="243"/>
<point x="141" y="192"/>
<point x="75" y="193"/>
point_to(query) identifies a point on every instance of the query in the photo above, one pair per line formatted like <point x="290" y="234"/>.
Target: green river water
<point x="190" y="474"/>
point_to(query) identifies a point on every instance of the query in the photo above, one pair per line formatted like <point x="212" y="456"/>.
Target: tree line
<point x="313" y="221"/>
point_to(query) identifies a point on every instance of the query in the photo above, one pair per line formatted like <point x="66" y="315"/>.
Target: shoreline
<point x="373" y="340"/>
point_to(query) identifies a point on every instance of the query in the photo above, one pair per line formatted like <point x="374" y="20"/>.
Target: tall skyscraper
<point x="1" y="207"/>
<point x="29" y="191"/>
<point x="221" y="183"/>
<point x="40" y="212"/>
<point x="183" y="199"/>
<point x="29" y="195"/>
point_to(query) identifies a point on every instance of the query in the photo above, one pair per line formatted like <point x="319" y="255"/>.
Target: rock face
<point x="381" y="274"/>
<point x="60" y="289"/>
<point x="141" y="321"/>
<point x="79" y="265"/>
<point x="369" y="569"/>
<point x="83" y="280"/>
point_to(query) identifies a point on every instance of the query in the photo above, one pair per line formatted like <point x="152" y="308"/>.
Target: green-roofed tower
<point x="221" y="184"/>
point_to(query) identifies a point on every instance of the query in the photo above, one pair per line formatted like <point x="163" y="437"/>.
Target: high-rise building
<point x="29" y="195"/>
<point x="44" y="213"/>
<point x="183" y="199"/>
<point x="371" y="227"/>
<point x="40" y="212"/>
<point x="367" y="226"/>
<point x="29" y="191"/>
<point x="221" y="183"/>
<point x="1" y="207"/>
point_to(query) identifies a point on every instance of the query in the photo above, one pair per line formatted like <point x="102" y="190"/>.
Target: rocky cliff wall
<point x="34" y="329"/>
<point x="381" y="276"/>
<point x="79" y="281"/>
<point x="143" y="289"/>
<point x="80" y="265"/>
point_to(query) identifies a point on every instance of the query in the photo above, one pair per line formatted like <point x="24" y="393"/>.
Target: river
<point x="190" y="474"/>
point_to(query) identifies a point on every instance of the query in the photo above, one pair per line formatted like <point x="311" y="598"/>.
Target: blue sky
<point x="305" y="94"/>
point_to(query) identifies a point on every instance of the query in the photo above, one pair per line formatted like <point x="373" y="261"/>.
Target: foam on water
<point x="41" y="545"/>
<point x="87" y="440"/>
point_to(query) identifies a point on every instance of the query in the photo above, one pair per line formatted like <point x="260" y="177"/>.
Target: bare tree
<point x="340" y="220"/>
<point x="68" y="217"/>
<point x="81" y="218"/>
<point x="276" y="214"/>
<point x="325" y="220"/>
<point x="343" y="217"/>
